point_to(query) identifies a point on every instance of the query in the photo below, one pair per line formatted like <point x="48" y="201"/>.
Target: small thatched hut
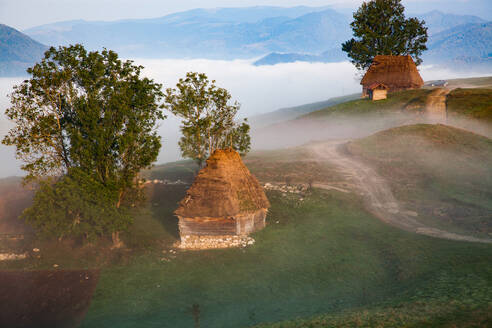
<point x="395" y="72"/>
<point x="224" y="204"/>
<point x="377" y="91"/>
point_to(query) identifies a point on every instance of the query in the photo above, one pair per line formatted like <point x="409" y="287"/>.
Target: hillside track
<point x="377" y="194"/>
<point x="435" y="106"/>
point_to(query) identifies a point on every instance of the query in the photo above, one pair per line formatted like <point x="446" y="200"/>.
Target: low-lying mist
<point x="259" y="89"/>
<point x="305" y="130"/>
<point x="9" y="165"/>
<point x="442" y="174"/>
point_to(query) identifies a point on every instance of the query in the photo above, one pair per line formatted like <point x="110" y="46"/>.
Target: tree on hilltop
<point x="84" y="118"/>
<point x="380" y="28"/>
<point x="208" y="118"/>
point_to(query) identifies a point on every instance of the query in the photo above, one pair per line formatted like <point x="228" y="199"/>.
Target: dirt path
<point x="435" y="106"/>
<point x="377" y="194"/>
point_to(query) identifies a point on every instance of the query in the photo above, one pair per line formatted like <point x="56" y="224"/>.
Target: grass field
<point x="474" y="82"/>
<point x="411" y="100"/>
<point x="473" y="103"/>
<point x="285" y="114"/>
<point x="323" y="258"/>
<point x="322" y="255"/>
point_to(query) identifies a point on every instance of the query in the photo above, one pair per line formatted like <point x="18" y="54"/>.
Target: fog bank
<point x="9" y="164"/>
<point x="259" y="90"/>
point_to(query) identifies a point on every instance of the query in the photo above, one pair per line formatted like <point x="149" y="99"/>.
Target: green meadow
<point x="322" y="255"/>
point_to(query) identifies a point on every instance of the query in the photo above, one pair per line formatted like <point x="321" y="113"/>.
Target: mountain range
<point x="227" y="33"/>
<point x="17" y="51"/>
<point x="469" y="44"/>
<point x="273" y="34"/>
<point x="461" y="41"/>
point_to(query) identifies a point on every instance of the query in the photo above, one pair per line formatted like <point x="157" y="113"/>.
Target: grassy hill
<point x="469" y="106"/>
<point x="472" y="103"/>
<point x="467" y="95"/>
<point x="474" y="82"/>
<point x="285" y="114"/>
<point x="443" y="173"/>
<point x="412" y="100"/>
<point x="351" y="119"/>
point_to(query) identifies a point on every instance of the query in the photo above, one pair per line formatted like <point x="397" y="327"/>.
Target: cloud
<point x="262" y="88"/>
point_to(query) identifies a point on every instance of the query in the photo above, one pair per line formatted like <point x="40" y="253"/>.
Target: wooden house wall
<point x="249" y="223"/>
<point x="240" y="225"/>
<point x="207" y="227"/>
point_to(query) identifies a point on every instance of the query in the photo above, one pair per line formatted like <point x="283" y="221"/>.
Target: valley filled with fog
<point x="259" y="89"/>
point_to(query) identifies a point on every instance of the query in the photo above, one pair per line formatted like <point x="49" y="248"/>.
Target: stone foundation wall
<point x="214" y="242"/>
<point x="12" y="256"/>
<point x="204" y="226"/>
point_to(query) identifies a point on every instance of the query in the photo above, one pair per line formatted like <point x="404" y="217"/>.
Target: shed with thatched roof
<point x="395" y="72"/>
<point x="225" y="202"/>
<point x="377" y="91"/>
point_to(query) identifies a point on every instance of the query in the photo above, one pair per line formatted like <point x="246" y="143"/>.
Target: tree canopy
<point x="76" y="205"/>
<point x="85" y="112"/>
<point x="380" y="28"/>
<point x="208" y="117"/>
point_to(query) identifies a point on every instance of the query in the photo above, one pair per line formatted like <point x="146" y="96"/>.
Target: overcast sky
<point x="23" y="14"/>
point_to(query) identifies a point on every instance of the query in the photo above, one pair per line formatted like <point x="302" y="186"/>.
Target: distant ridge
<point x="438" y="21"/>
<point x="464" y="45"/>
<point x="17" y="51"/>
<point x="223" y="33"/>
<point x="273" y="34"/>
<point x="454" y="39"/>
<point x="329" y="56"/>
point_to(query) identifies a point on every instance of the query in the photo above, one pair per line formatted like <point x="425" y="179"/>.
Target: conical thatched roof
<point x="396" y="72"/>
<point x="223" y="188"/>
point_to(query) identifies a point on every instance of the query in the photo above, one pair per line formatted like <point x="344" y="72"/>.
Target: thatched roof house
<point x="225" y="200"/>
<point x="395" y="72"/>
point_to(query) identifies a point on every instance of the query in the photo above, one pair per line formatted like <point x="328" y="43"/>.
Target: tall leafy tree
<point x="208" y="118"/>
<point x="380" y="28"/>
<point x="87" y="111"/>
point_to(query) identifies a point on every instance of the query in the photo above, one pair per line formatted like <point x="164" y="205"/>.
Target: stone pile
<point x="284" y="188"/>
<point x="214" y="242"/>
<point x="166" y="182"/>
<point x="12" y="256"/>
